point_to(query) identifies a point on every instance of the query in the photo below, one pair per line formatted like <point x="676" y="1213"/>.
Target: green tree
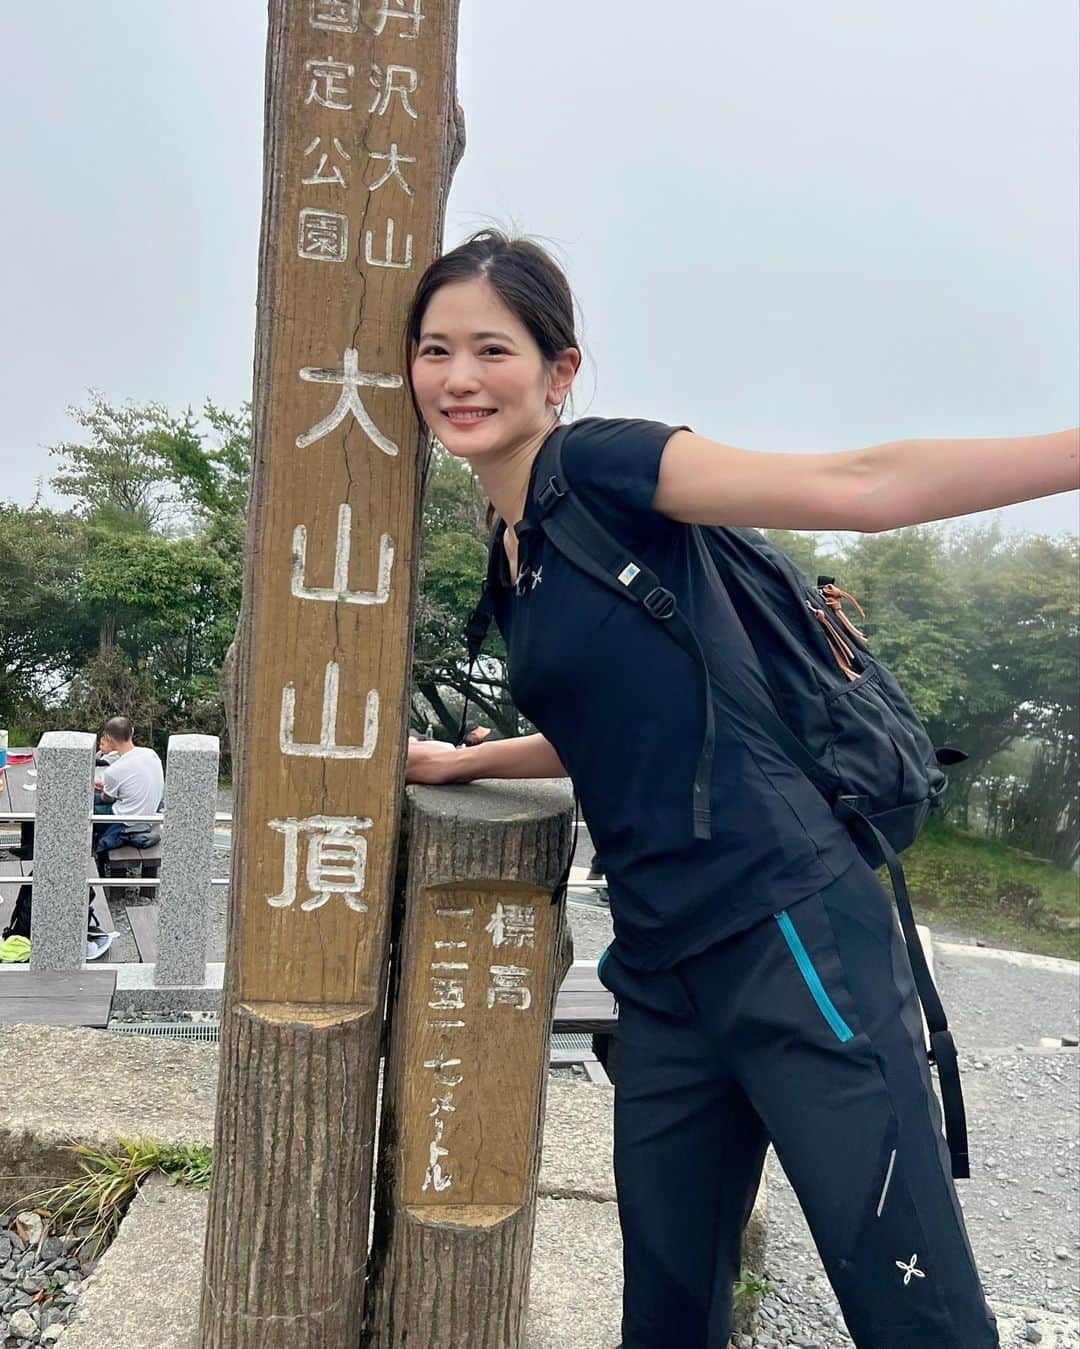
<point x="212" y="473"/>
<point x="807" y="551"/>
<point x="115" y="474"/>
<point x="109" y="684"/>
<point x="981" y="629"/>
<point x="903" y="581"/>
<point x="45" y="633"/>
<point x="1025" y="596"/>
<point x="452" y="567"/>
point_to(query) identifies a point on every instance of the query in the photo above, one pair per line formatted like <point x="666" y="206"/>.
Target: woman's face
<point x="481" y="382"/>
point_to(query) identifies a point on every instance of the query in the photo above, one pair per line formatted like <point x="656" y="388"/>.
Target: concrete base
<point x="575" y="1292"/>
<point x="60" y="1085"/>
<point x="93" y="1087"/>
<point x="145" y="1291"/>
<point x="137" y="992"/>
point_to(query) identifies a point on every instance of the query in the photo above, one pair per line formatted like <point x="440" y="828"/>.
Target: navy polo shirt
<point x="623" y="705"/>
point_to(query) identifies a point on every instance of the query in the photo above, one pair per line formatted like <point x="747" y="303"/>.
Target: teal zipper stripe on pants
<point x="828" y="1010"/>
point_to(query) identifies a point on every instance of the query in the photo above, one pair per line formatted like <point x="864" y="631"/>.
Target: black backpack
<point x="19" y="923"/>
<point x="837" y="713"/>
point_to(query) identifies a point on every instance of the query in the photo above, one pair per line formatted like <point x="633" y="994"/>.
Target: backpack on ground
<point x="837" y="713"/>
<point x="19" y="922"/>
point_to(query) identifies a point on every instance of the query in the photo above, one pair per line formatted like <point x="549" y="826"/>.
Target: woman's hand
<point x="432" y="762"/>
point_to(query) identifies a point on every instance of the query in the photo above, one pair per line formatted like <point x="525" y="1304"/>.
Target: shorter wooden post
<point x="481" y="950"/>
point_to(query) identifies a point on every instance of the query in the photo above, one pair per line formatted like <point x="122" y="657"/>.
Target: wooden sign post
<point x="361" y="136"/>
<point x="482" y="951"/>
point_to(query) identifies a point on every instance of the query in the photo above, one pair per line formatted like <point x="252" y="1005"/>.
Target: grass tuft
<point x="95" y="1201"/>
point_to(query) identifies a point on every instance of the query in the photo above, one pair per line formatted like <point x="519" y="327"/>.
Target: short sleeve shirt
<point x="623" y="705"/>
<point x="135" y="782"/>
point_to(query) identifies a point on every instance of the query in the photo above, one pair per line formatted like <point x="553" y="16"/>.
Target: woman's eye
<point x="493" y="351"/>
<point x="432" y="351"/>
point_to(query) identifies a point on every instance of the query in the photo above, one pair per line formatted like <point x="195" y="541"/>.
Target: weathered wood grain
<point x="478" y="955"/>
<point x="352" y="90"/>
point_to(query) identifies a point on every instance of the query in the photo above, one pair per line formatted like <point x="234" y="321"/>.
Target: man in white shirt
<point x="133" y="784"/>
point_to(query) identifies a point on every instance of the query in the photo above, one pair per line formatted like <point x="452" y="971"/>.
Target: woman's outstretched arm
<point x="526" y="756"/>
<point x="903" y="482"/>
<point x="920" y="480"/>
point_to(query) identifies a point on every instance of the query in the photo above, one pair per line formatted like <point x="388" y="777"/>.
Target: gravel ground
<point x="1020" y="1207"/>
<point x="39" y="1281"/>
<point x="1041" y="1001"/>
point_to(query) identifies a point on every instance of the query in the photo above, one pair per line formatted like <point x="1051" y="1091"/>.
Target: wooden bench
<point x="147" y="859"/>
<point x="584" y="1005"/>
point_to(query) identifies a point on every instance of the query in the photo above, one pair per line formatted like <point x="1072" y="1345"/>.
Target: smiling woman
<point x="758" y="969"/>
<point x="492" y="352"/>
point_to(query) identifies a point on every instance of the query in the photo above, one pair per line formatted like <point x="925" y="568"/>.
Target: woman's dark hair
<point x="526" y="278"/>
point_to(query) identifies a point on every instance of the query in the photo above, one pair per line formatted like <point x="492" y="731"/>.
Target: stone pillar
<point x="187" y="858"/>
<point x="62" y="856"/>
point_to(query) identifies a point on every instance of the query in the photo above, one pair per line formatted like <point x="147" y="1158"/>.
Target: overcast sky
<point x="792" y="224"/>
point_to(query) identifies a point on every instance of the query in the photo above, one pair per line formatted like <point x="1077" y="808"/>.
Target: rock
<point x="22" y="1323"/>
<point x="32" y="1227"/>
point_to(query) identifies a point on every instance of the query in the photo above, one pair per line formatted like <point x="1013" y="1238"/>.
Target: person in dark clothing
<point x="764" y="993"/>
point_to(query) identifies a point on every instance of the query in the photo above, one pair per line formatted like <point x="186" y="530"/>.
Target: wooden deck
<point x="144" y="928"/>
<point x="584" y="1004"/>
<point x="56" y="998"/>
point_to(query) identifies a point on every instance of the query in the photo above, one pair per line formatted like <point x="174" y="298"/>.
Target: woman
<point x="764" y="992"/>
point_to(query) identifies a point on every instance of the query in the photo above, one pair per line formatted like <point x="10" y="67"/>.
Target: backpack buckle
<point x="659" y="603"/>
<point x="548" y="495"/>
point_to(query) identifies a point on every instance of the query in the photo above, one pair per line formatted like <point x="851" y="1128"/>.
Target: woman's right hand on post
<point x="432" y="762"/>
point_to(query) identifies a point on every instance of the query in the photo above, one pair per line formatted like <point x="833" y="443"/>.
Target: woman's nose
<point x="461" y="375"/>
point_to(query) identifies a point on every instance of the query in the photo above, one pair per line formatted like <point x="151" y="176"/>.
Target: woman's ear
<point x="563" y="369"/>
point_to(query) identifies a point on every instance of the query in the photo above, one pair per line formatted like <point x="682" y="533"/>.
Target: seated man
<point x="132" y="784"/>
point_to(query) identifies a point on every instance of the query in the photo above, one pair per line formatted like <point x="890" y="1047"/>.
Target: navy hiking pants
<point x="803" y="1031"/>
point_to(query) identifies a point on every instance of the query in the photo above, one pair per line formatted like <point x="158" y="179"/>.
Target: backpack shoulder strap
<point x="476" y="629"/>
<point x="584" y="541"/>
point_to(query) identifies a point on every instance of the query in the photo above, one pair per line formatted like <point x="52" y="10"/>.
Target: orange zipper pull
<point x="834" y="598"/>
<point x="842" y="653"/>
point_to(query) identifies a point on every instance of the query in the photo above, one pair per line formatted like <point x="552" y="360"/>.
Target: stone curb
<point x="145" y="1290"/>
<point x="92" y="1087"/>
